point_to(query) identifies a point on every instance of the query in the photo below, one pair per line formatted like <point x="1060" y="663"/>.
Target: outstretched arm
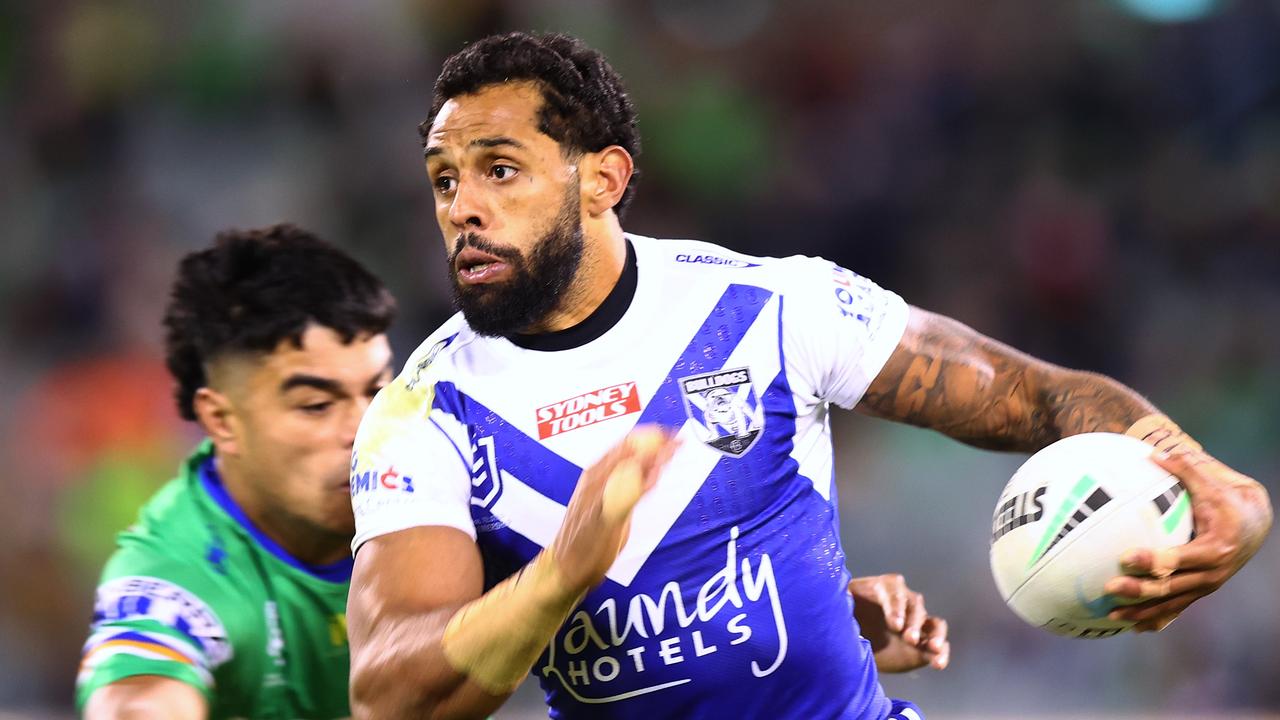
<point x="947" y="377"/>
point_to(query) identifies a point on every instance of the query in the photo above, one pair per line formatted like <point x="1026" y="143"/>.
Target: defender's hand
<point x="599" y="515"/>
<point x="1232" y="515"/>
<point x="903" y="635"/>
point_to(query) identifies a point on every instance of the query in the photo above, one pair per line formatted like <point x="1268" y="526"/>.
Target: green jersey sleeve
<point x="162" y="622"/>
<point x="192" y="594"/>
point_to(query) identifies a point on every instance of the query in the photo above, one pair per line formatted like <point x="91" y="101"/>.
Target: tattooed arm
<point x="947" y="377"/>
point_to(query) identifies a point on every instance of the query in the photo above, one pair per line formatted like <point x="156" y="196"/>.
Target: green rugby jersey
<point x="196" y="592"/>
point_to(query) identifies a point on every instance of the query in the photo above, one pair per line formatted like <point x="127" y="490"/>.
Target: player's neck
<point x="303" y="541"/>
<point x="603" y="258"/>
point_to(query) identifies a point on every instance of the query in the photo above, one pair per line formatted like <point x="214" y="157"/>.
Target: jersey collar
<point x="339" y="572"/>
<point x="597" y="323"/>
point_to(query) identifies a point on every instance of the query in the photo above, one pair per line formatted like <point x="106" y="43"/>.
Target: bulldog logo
<point x="726" y="408"/>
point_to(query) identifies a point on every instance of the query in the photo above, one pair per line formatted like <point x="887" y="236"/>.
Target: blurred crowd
<point x="1092" y="186"/>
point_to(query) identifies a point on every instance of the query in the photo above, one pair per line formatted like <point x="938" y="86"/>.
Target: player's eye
<point x="445" y="184"/>
<point x="318" y="408"/>
<point x="503" y="172"/>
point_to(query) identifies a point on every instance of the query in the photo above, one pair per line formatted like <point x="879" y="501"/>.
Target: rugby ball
<point x="1065" y="518"/>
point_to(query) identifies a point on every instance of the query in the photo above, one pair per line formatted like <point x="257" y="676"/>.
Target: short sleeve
<point x="149" y="625"/>
<point x="408" y="469"/>
<point x="839" y="329"/>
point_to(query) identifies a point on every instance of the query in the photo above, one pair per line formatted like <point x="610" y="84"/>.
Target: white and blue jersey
<point x="730" y="597"/>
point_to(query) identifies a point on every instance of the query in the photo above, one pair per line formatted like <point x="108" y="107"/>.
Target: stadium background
<point x="1094" y="181"/>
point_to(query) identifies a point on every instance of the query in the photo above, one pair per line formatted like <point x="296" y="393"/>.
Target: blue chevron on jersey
<point x="521" y="453"/>
<point x="708" y="349"/>
<point x="729" y="598"/>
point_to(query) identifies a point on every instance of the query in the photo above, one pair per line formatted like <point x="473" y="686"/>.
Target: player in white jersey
<point x="694" y="571"/>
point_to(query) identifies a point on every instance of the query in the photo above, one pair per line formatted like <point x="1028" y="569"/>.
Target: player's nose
<point x="468" y="209"/>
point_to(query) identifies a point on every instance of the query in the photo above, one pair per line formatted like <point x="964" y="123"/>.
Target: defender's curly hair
<point x="585" y="108"/>
<point x="255" y="288"/>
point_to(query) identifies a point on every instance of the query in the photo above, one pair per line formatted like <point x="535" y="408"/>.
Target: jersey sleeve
<point x="839" y="329"/>
<point x="408" y="469"/>
<point x="151" y="625"/>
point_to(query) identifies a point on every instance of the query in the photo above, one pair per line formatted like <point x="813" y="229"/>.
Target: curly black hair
<point x="585" y="108"/>
<point x="256" y="288"/>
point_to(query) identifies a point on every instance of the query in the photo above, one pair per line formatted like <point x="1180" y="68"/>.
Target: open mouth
<point x="475" y="267"/>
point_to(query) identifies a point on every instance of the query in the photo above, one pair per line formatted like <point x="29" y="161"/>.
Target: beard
<point x="538" y="282"/>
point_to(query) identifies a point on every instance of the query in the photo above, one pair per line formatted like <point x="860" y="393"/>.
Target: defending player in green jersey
<point x="198" y="594"/>
<point x="226" y="599"/>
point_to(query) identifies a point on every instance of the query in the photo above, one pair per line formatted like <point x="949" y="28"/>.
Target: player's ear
<point x="605" y="175"/>
<point x="216" y="416"/>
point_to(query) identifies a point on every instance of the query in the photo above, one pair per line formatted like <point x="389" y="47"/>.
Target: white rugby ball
<point x="1066" y="517"/>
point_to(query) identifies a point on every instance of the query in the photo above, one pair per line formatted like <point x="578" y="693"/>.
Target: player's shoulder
<point x="436" y="357"/>
<point x="410" y="396"/>
<point x="181" y="538"/>
<point x="170" y="525"/>
<point x="154" y="624"/>
<point x="172" y="571"/>
<point x="184" y="579"/>
<point x="706" y="260"/>
<point x="156" y="612"/>
<point x="692" y="255"/>
<point x="196" y="563"/>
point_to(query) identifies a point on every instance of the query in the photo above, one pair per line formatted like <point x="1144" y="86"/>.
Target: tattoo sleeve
<point x="947" y="377"/>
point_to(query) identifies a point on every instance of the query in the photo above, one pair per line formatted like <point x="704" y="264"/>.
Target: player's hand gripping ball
<point x="1067" y="517"/>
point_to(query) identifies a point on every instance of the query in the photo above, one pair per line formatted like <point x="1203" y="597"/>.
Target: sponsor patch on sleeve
<point x="189" y="633"/>
<point x="857" y="297"/>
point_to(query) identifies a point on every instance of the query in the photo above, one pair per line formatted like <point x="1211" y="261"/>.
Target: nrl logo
<point x="425" y="363"/>
<point x="724" y="405"/>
